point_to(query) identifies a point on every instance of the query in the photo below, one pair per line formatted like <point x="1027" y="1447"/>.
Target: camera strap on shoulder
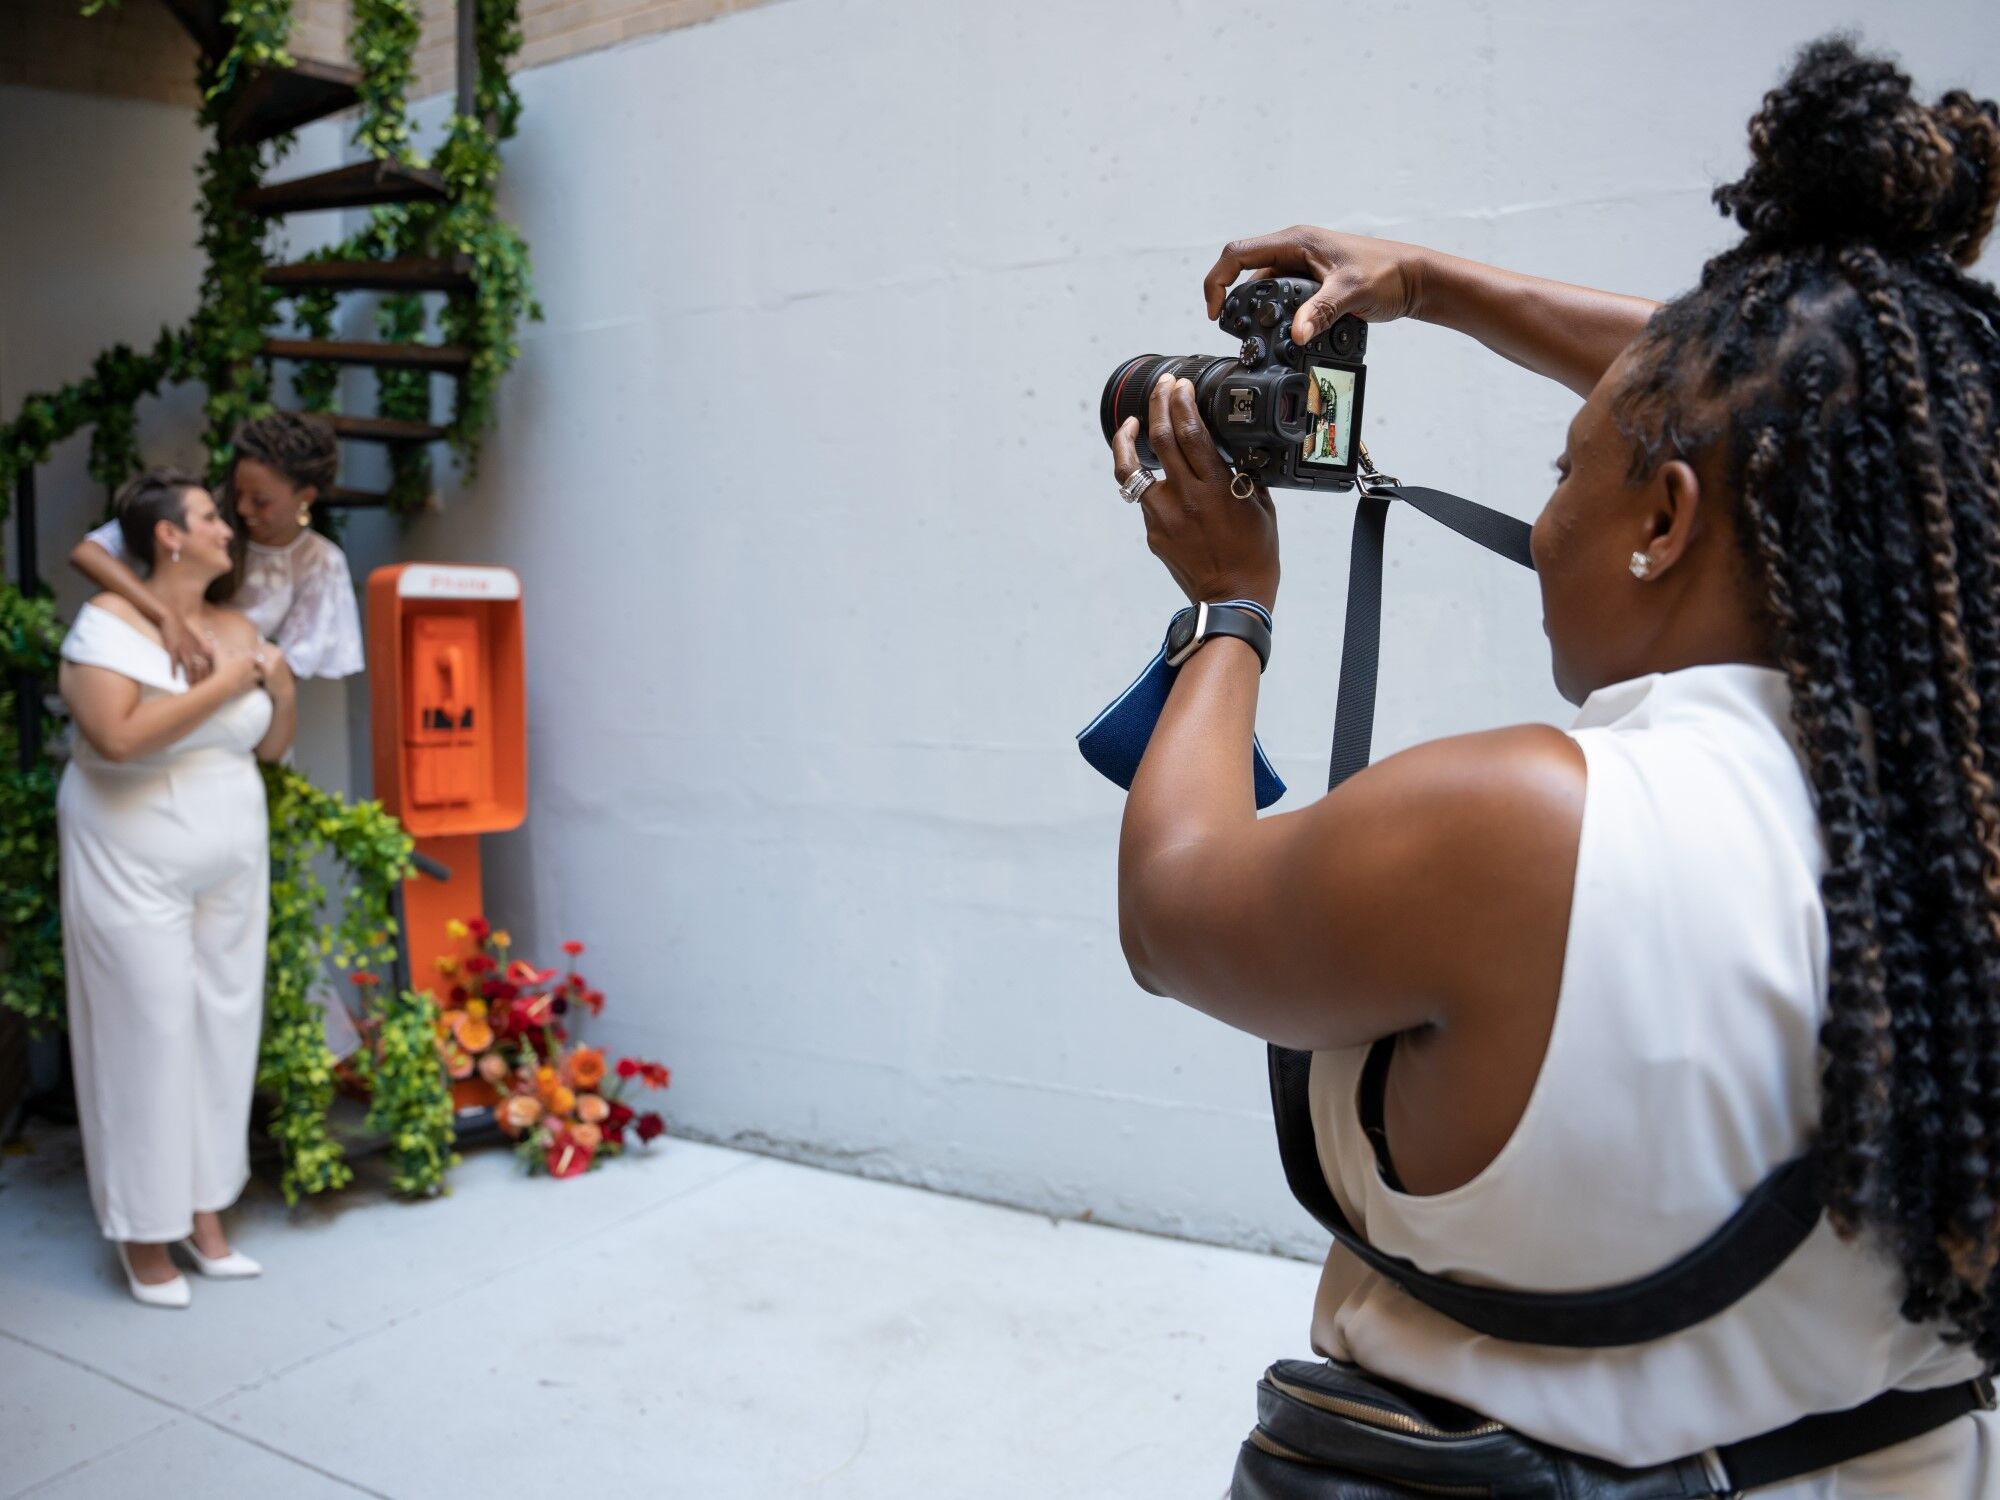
<point x="1772" y="1222"/>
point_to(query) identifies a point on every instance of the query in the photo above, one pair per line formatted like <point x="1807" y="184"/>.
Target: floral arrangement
<point x="507" y="1024"/>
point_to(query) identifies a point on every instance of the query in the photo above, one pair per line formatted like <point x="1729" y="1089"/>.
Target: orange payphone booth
<point x="448" y="700"/>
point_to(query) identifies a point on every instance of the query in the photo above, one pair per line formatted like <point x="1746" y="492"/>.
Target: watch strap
<point x="1251" y="626"/>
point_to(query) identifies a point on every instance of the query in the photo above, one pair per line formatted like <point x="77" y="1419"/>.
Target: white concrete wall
<point x="823" y="558"/>
<point x="825" y="567"/>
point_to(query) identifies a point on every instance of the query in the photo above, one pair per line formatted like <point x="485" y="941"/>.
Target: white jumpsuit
<point x="165" y="884"/>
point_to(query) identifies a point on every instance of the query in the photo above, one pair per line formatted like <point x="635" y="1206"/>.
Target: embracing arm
<point x="115" y="576"/>
<point x="1571" y="334"/>
<point x="121" y="726"/>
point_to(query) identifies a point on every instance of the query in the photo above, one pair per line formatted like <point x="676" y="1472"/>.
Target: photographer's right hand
<point x="1373" y="280"/>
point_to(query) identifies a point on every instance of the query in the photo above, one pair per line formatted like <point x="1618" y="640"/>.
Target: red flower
<point x="572" y="948"/>
<point x="656" y="1076"/>
<point x="479" y="963"/>
<point x="650" y="1125"/>
<point x="523" y="973"/>
<point x="566" y="1158"/>
<point x="627" y="1068"/>
<point x="621" y="1115"/>
<point x="361" y="979"/>
<point x="500" y="989"/>
<point x="458" y="995"/>
<point x="480" y="929"/>
<point x="533" y="1010"/>
<point x="592" y="1001"/>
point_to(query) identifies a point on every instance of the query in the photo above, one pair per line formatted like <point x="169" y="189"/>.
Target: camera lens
<point x="1131" y="387"/>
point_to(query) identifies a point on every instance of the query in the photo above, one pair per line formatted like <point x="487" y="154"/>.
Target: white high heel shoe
<point x="174" y="1293"/>
<point x="235" y="1266"/>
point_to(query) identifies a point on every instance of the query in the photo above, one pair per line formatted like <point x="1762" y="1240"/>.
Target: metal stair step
<point x="450" y="358"/>
<point x="356" y="185"/>
<point x="379" y="429"/>
<point x="449" y="274"/>
<point x="275" y="101"/>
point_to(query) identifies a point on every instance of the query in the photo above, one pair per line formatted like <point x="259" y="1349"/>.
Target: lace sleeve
<point x="321" y="632"/>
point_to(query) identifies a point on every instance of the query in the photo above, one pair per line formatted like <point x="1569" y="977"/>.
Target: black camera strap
<point x="1771" y="1223"/>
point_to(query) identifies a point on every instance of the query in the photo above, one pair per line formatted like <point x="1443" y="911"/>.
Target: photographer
<point x="1573" y="996"/>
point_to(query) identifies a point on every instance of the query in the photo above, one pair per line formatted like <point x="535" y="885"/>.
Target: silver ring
<point x="1137" y="483"/>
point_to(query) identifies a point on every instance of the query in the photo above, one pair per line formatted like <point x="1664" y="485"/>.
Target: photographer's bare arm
<point x="1428" y="897"/>
<point x="184" y="644"/>
<point x="1569" y="333"/>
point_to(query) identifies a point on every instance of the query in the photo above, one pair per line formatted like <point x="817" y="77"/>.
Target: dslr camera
<point x="1287" y="414"/>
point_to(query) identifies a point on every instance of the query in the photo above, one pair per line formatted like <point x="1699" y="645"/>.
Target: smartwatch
<point x="1194" y="625"/>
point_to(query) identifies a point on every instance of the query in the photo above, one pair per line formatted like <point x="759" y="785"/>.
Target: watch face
<point x="1181" y="631"/>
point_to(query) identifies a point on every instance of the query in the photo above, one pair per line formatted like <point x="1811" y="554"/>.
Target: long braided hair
<point x="1846" y="368"/>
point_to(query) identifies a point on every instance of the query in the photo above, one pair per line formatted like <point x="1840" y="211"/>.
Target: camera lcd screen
<point x="1330" y="398"/>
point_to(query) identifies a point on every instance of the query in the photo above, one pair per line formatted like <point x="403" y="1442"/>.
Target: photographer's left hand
<point x="1216" y="544"/>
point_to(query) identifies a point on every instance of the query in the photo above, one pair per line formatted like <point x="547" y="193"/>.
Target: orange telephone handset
<point x="442" y="716"/>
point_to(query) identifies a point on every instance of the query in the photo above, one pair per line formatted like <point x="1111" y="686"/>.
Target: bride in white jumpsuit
<point x="164" y="847"/>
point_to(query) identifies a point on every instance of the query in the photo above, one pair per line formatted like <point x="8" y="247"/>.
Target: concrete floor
<point x="688" y="1322"/>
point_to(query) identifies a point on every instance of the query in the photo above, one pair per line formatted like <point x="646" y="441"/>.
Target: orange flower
<point x="493" y="1068"/>
<point x="586" y="1137"/>
<point x="591" y="1108"/>
<point x="502" y="940"/>
<point x="473" y="1034"/>
<point x="458" y="1062"/>
<point x="455" y="929"/>
<point x="520" y="1113"/>
<point x="560" y="1100"/>
<point x="586" y="1067"/>
<point x="545" y="1078"/>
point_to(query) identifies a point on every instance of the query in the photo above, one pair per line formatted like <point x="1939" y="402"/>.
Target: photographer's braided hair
<point x="1851" y="366"/>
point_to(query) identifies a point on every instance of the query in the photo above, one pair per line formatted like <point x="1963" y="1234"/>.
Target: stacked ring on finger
<point x="1137" y="483"/>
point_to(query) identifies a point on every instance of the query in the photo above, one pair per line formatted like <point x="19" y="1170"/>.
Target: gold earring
<point x="306" y="514"/>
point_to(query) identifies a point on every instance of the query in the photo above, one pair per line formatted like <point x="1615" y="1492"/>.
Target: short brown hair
<point x="148" y="499"/>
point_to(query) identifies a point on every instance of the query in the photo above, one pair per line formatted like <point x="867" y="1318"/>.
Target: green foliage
<point x="411" y="1102"/>
<point x="118" y="378"/>
<point x="31" y="980"/>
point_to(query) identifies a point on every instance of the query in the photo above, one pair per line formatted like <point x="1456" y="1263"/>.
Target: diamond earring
<point x="177" y="554"/>
<point x="1641" y="565"/>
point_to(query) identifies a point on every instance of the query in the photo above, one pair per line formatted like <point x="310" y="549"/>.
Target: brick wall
<point x="137" y="51"/>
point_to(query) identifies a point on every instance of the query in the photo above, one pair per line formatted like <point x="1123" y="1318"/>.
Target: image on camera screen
<point x="1330" y="398"/>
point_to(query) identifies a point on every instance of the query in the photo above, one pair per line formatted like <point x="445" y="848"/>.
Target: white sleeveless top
<point x="1682" y="1069"/>
<point x="300" y="595"/>
<point x="100" y="639"/>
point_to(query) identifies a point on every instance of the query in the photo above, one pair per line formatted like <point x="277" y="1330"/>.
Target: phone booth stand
<point x="448" y="701"/>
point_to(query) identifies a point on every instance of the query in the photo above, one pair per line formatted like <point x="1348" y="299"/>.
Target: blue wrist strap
<point x="1116" y="739"/>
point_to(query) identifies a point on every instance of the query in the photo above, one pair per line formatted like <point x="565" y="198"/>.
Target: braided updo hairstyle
<point x="300" y="447"/>
<point x="1845" y="368"/>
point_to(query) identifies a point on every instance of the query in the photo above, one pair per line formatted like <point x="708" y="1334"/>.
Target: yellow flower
<point x="476" y="1009"/>
<point x="455" y="929"/>
<point x="502" y="940"/>
<point x="448" y="966"/>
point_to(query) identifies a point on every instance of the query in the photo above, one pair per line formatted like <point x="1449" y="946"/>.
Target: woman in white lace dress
<point x="294" y="583"/>
<point x="165" y="892"/>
